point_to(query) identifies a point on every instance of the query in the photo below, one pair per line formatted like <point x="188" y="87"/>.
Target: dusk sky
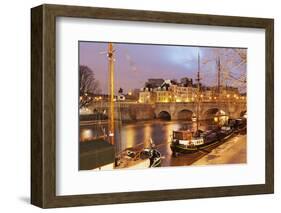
<point x="135" y="63"/>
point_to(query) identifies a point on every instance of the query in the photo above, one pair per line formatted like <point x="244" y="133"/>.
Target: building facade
<point x="186" y="91"/>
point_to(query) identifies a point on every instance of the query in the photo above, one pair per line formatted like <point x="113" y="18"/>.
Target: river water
<point x="139" y="134"/>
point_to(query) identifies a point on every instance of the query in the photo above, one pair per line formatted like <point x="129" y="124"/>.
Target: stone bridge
<point x="207" y="110"/>
<point x="132" y="111"/>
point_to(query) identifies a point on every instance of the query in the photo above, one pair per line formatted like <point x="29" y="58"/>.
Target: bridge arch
<point x="185" y="114"/>
<point x="164" y="115"/>
<point x="216" y="115"/>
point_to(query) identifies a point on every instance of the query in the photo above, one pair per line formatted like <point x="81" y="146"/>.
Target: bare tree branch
<point x="88" y="85"/>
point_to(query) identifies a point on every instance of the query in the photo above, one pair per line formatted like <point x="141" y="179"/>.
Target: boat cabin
<point x="186" y="137"/>
<point x="182" y="135"/>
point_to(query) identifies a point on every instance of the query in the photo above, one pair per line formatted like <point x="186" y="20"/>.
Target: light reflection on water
<point x="139" y="133"/>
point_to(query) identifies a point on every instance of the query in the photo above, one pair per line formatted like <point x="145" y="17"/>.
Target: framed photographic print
<point x="136" y="106"/>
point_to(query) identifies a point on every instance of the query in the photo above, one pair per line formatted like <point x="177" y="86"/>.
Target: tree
<point x="233" y="65"/>
<point x="88" y="85"/>
<point x="87" y="81"/>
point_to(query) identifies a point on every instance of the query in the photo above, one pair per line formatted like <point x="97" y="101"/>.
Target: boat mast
<point x="219" y="85"/>
<point x="111" y="92"/>
<point x="198" y="92"/>
<point x="219" y="76"/>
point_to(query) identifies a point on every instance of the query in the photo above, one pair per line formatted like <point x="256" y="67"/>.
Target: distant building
<point x="224" y="93"/>
<point x="155" y="90"/>
<point x="185" y="91"/>
<point x="147" y="96"/>
<point x="154" y="82"/>
<point x="186" y="82"/>
<point x="132" y="95"/>
<point x="230" y="93"/>
<point x="176" y="92"/>
<point x="164" y="94"/>
<point x="135" y="93"/>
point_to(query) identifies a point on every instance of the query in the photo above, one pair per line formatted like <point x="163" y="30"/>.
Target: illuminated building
<point x="185" y="91"/>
